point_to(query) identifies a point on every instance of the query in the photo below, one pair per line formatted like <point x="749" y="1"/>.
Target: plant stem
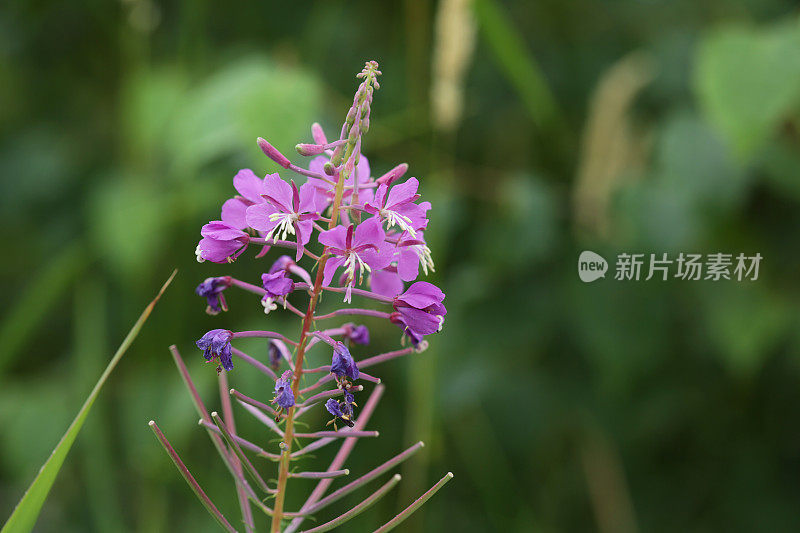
<point x="286" y="453"/>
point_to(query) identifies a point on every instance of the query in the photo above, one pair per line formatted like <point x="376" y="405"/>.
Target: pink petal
<point x="378" y="259"/>
<point x="422" y="294"/>
<point x="221" y="231"/>
<point x="369" y="232"/>
<point x="330" y="269"/>
<point x="402" y="193"/>
<point x="280" y="191"/>
<point x="233" y="213"/>
<point x="334" y="237"/>
<point x="249" y="185"/>
<point x="257" y="216"/>
<point x="217" y="251"/>
<point x="308" y="202"/>
<point x="408" y="264"/>
<point x="386" y="283"/>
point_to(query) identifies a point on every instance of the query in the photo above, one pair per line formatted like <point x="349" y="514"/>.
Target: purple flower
<point x="284" y="396"/>
<point x="250" y="188"/>
<point x="211" y="289"/>
<point x="342" y="363"/>
<point x="396" y="206"/>
<point x="419" y="310"/>
<point x="276" y="285"/>
<point x="340" y="410"/>
<point x="221" y="243"/>
<point x="359" y="334"/>
<point x="216" y="346"/>
<point x="358" y="249"/>
<point x="333" y="408"/>
<point x="287" y="211"/>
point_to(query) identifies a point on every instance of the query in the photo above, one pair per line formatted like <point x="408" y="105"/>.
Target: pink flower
<point x="286" y="211"/>
<point x="396" y="206"/>
<point x="359" y="248"/>
<point x="221" y="243"/>
<point x="420" y="309"/>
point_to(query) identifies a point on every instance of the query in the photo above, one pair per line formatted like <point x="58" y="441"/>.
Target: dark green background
<point x="621" y="126"/>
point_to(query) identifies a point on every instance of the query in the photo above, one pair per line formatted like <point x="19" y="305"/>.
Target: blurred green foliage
<point x="559" y="406"/>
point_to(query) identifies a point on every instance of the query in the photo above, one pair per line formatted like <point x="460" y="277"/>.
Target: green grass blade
<point x="27" y="510"/>
<point x="516" y="62"/>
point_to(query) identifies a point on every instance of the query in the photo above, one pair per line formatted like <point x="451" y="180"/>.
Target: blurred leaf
<point x="249" y="98"/>
<point x="693" y="161"/>
<point x="128" y="217"/>
<point x="38" y="298"/>
<point x="27" y="510"/>
<point x="747" y="80"/>
<point x="745" y="322"/>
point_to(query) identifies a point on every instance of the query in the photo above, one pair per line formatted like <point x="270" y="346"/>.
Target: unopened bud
<point x="273" y="153"/>
<point x="318" y="134"/>
<point x="309" y="149"/>
<point x="394" y="174"/>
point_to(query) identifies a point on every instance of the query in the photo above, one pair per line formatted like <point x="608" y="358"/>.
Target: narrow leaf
<point x="27" y="510"/>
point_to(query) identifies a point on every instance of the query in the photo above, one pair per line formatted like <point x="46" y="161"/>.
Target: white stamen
<point x="269" y="305"/>
<point x="393" y="218"/>
<point x="352" y="262"/>
<point x="199" y="253"/>
<point x="285" y="226"/>
<point x="425" y="257"/>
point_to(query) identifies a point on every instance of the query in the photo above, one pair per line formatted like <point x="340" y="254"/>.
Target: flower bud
<point x="273" y="153"/>
<point x="394" y="174"/>
<point x="309" y="149"/>
<point x="318" y="134"/>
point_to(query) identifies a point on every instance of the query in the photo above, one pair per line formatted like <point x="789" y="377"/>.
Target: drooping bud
<point x="342" y="363"/>
<point x="211" y="289"/>
<point x="216" y="346"/>
<point x="273" y="153"/>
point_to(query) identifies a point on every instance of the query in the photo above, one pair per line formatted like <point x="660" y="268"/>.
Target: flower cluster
<point x="363" y="236"/>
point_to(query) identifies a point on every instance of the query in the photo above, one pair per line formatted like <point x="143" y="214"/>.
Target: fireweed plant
<point x="371" y="234"/>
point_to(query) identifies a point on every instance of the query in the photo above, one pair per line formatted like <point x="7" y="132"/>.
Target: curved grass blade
<point x="27" y="510"/>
